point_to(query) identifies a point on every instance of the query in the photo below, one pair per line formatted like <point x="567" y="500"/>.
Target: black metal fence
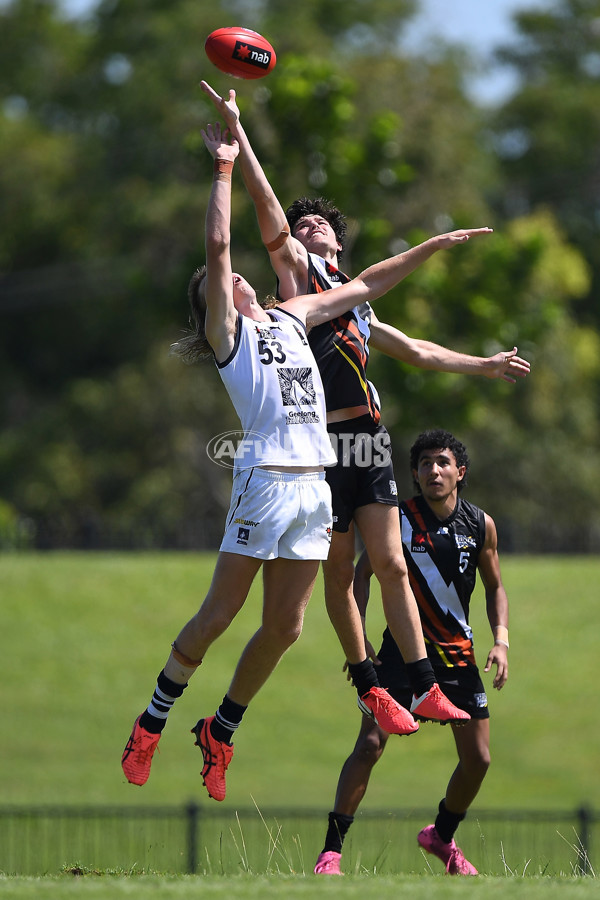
<point x="210" y="840"/>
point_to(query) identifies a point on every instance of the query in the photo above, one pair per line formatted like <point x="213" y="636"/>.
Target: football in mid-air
<point x="240" y="52"/>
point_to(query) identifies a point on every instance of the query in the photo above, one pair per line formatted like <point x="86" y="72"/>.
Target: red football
<point x="240" y="52"/>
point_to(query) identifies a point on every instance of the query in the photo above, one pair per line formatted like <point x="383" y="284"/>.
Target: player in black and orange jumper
<point x="446" y="542"/>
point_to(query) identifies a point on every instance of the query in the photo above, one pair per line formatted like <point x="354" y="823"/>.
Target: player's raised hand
<point x="219" y="142"/>
<point x="460" y="237"/>
<point x="507" y="365"/>
<point x="228" y="109"/>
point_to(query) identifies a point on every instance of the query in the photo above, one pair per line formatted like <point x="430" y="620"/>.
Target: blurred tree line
<point x="104" y="181"/>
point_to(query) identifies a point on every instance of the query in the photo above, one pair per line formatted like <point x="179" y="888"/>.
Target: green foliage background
<point x="104" y="181"/>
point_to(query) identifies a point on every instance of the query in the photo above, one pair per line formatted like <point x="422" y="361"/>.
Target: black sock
<point x="336" y="832"/>
<point x="165" y="694"/>
<point x="447" y="822"/>
<point x="421" y="676"/>
<point x="364" y="676"/>
<point x="227" y="719"/>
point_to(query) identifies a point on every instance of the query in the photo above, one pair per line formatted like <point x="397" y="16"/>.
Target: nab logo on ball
<point x="254" y="56"/>
<point x="240" y="52"/>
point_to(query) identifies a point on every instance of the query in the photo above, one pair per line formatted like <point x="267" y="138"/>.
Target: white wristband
<point x="501" y="635"/>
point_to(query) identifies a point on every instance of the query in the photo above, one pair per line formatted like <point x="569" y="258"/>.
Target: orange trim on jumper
<point x="349" y="338"/>
<point x="419" y="520"/>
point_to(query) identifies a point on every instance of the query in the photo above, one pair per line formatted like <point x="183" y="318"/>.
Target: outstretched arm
<point x="288" y="257"/>
<point x="427" y="355"/>
<point x="382" y="277"/>
<point x="221" y="315"/>
<point x="496" y="604"/>
<point x="377" y="280"/>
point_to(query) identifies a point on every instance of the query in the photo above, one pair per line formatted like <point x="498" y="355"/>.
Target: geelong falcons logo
<point x="296" y="387"/>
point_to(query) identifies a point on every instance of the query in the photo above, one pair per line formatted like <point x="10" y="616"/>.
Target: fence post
<point x="584" y="817"/>
<point x="192" y="811"/>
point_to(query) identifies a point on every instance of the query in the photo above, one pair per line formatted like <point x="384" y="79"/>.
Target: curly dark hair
<point x="305" y="206"/>
<point x="439" y="439"/>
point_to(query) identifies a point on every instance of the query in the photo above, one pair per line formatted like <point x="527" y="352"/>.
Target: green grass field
<point x="297" y="888"/>
<point x="84" y="637"/>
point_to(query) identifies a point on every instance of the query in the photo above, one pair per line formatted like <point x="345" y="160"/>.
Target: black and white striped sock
<point x="227" y="720"/>
<point x="165" y="694"/>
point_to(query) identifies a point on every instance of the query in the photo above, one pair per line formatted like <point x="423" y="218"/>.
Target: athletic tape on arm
<point x="280" y="240"/>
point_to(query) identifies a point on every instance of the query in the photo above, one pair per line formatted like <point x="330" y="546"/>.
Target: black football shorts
<point x="363" y="473"/>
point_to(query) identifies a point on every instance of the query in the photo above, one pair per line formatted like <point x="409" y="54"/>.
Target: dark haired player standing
<point x="446" y="541"/>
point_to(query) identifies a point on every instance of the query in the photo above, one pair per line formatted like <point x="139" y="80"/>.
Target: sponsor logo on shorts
<point x="481" y="700"/>
<point x="247" y="522"/>
<point x="393" y="489"/>
<point x="243" y="536"/>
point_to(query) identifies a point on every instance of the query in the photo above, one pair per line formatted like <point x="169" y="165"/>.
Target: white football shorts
<point x="279" y="514"/>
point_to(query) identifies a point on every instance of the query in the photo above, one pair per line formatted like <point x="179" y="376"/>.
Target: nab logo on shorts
<point x="418" y="544"/>
<point x="243" y="536"/>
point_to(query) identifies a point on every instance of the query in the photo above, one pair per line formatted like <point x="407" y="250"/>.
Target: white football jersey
<point x="274" y="384"/>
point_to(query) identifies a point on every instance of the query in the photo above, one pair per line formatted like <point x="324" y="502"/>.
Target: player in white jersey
<point x="280" y="516"/>
<point x="276" y="389"/>
<point x="283" y="486"/>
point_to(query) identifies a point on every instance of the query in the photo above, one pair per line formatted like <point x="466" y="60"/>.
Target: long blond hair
<point x="193" y="346"/>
